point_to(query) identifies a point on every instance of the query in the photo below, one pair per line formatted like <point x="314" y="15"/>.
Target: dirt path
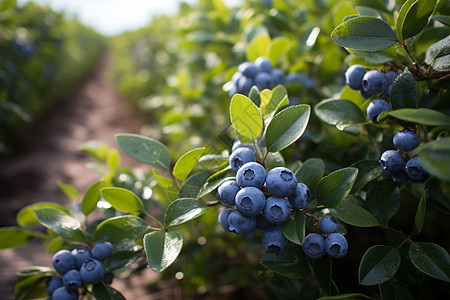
<point x="51" y="154"/>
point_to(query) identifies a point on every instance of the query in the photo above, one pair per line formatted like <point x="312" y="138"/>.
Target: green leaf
<point x="404" y="91"/>
<point x="193" y="185"/>
<point x="378" y="265"/>
<point x="294" y="228"/>
<point x="383" y="200"/>
<point x="310" y="173"/>
<point x="351" y="213"/>
<point x="186" y="163"/>
<point x="183" y="210"/>
<point x="334" y="187"/>
<point x="144" y="149"/>
<point x="60" y="223"/>
<point x="413" y="17"/>
<point x="91" y="197"/>
<point x="431" y="259"/>
<point x="259" y="46"/>
<point x="27" y="217"/>
<point x="245" y="116"/>
<point x="31" y="287"/>
<point x="339" y="112"/>
<point x="438" y="54"/>
<point x="121" y="230"/>
<point x="162" y="249"/>
<point x="211" y="185"/>
<point x="113" y="160"/>
<point x="121" y="259"/>
<point x="255" y="96"/>
<point x="420" y="215"/>
<point x="210" y="162"/>
<point x="286" y="127"/>
<point x="368" y="170"/>
<point x="434" y="158"/>
<point x="364" y="33"/>
<point x="286" y="262"/>
<point x="122" y="199"/>
<point x="34" y="270"/>
<point x="424" y="116"/>
<point x="68" y="189"/>
<point x="371" y="57"/>
<point x="443" y="19"/>
<point x="322" y="272"/>
<point x="278" y="98"/>
<point x="278" y="47"/>
<point x="13" y="237"/>
<point x="102" y="291"/>
<point x="273" y="160"/>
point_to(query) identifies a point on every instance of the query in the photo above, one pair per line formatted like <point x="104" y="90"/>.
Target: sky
<point x="111" y="17"/>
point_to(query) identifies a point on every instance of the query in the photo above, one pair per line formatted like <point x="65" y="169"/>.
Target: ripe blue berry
<point x="277" y="210"/>
<point x="81" y="255"/>
<point x="354" y="77"/>
<point x="248" y="69"/>
<point x="262" y="223"/>
<point x="281" y="182"/>
<point x="336" y="245"/>
<point x="277" y="77"/>
<point x="294" y="78"/>
<point x="313" y="245"/>
<point x="72" y="279"/>
<point x="245" y="84"/>
<point x="102" y="250"/>
<point x="250" y="201"/>
<point x="406" y="140"/>
<point x="64" y="293"/>
<point x="263" y="81"/>
<point x="63" y="261"/>
<point x="390" y="76"/>
<point x="226" y="193"/>
<point x="52" y="284"/>
<point x="223" y="218"/>
<point x="263" y="64"/>
<point x="375" y="108"/>
<point x="92" y="271"/>
<point x="274" y="239"/>
<point x="241" y="224"/>
<point x="328" y="225"/>
<point x="238" y="144"/>
<point x="240" y="157"/>
<point x="415" y="170"/>
<point x="374" y="82"/>
<point x="392" y="161"/>
<point x="300" y="199"/>
<point x="251" y="174"/>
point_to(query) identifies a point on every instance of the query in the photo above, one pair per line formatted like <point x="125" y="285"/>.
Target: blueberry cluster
<point x="77" y="267"/>
<point x="261" y="200"/>
<point x="394" y="165"/>
<point x="334" y="244"/>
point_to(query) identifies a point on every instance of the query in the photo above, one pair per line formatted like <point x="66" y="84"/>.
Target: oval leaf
<point x="339" y="112"/>
<point x="431" y="259"/>
<point x="353" y="214"/>
<point x="294" y="228"/>
<point x="60" y="223"/>
<point x="404" y="91"/>
<point x="286" y="127"/>
<point x="368" y="170"/>
<point x="413" y="17"/>
<point x="383" y="200"/>
<point x="121" y="230"/>
<point x="27" y="217"/>
<point x="259" y="46"/>
<point x="378" y="265"/>
<point x="13" y="237"/>
<point x="424" y="116"/>
<point x="211" y="185"/>
<point x="310" y="173"/>
<point x="364" y="33"/>
<point x="334" y="187"/>
<point x="144" y="149"/>
<point x="420" y="215"/>
<point x="162" y="249"/>
<point x="186" y="163"/>
<point x="91" y="197"/>
<point x="103" y="291"/>
<point x="434" y="158"/>
<point x="245" y="116"/>
<point x="183" y="210"/>
<point x="122" y="199"/>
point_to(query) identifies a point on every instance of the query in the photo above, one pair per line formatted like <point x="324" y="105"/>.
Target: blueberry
<point x="81" y="255"/>
<point x="64" y="293"/>
<point x="374" y="82"/>
<point x="249" y="235"/>
<point x="313" y="245"/>
<point x="238" y="144"/>
<point x="227" y="191"/>
<point x="375" y="108"/>
<point x="354" y="77"/>
<point x="274" y="239"/>
<point x="248" y="69"/>
<point x="365" y="94"/>
<point x="406" y="140"/>
<point x="236" y="77"/>
<point x="241" y="224"/>
<point x="392" y="161"/>
<point x="250" y="201"/>
<point x="328" y="225"/>
<point x="336" y="245"/>
<point x="53" y="283"/>
<point x="388" y="90"/>
<point x="300" y="199"/>
<point x="244" y="85"/>
<point x="102" y="250"/>
<point x="294" y="78"/>
<point x="63" y="261"/>
<point x="277" y="77"/>
<point x="400" y="177"/>
<point x="72" y="279"/>
<point x="277" y="210"/>
<point x="263" y="64"/>
<point x="240" y="157"/>
<point x="281" y="182"/>
<point x="263" y="81"/>
<point x="415" y="170"/>
<point x="251" y="174"/>
<point x="92" y="271"/>
<point x="262" y="223"/>
<point x="223" y="218"/>
<point x="390" y="76"/>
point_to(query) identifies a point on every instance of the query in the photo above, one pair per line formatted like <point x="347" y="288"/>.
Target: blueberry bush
<point x="328" y="178"/>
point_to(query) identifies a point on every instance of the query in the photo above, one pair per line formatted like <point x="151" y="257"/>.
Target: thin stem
<point x="395" y="230"/>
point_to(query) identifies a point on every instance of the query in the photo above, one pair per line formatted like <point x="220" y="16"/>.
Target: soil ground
<point x="50" y="153"/>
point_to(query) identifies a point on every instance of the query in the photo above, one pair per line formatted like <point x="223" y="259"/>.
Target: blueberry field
<point x="291" y="149"/>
